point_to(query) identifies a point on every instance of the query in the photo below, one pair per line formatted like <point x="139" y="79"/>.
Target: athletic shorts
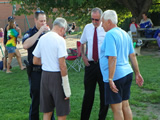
<point x="11" y="49"/>
<point x="123" y="85"/>
<point x="52" y="94"/>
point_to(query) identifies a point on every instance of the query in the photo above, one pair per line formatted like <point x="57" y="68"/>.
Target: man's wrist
<point x="66" y="86"/>
<point x="110" y="79"/>
<point x="83" y="55"/>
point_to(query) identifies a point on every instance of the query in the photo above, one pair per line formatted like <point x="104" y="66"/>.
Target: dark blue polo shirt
<point x="27" y="35"/>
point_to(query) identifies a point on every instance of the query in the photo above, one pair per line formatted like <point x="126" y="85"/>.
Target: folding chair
<point x="74" y="55"/>
<point x="81" y="64"/>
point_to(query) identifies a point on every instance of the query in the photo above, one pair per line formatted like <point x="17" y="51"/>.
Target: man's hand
<point x="44" y="28"/>
<point x="113" y="86"/>
<point x="139" y="80"/>
<point x="85" y="60"/>
<point x="66" y="98"/>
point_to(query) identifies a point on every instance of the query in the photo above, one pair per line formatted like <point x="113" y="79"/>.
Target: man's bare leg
<point x="126" y="110"/>
<point x="117" y="111"/>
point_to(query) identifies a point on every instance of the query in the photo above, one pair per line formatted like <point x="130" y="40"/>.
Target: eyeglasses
<point x="39" y="11"/>
<point x="95" y="19"/>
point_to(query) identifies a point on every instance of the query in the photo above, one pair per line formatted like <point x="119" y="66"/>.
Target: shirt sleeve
<point x="110" y="45"/>
<point x="83" y="37"/>
<point x="62" y="51"/>
<point x="37" y="50"/>
<point x="151" y="21"/>
<point x="141" y="21"/>
<point x="131" y="50"/>
<point x="26" y="35"/>
<point x="136" y="25"/>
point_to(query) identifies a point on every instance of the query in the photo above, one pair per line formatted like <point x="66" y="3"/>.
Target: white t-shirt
<point x="133" y="28"/>
<point x="87" y="37"/>
<point x="50" y="48"/>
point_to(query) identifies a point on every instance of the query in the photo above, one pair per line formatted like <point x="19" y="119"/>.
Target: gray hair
<point x="97" y="10"/>
<point x="110" y="15"/>
<point x="61" y="22"/>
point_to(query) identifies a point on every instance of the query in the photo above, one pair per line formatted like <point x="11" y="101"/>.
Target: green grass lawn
<point x="145" y="101"/>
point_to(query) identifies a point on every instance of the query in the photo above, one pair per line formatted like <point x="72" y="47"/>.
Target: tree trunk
<point x="137" y="7"/>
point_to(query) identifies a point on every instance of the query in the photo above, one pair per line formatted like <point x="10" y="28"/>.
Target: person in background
<point x="1" y="34"/>
<point x="93" y="34"/>
<point x="13" y="32"/>
<point x="55" y="88"/>
<point x="30" y="40"/>
<point x="133" y="29"/>
<point x="1" y="40"/>
<point x="73" y="26"/>
<point x="145" y="21"/>
<point x="158" y="41"/>
<point x="117" y="73"/>
<point x="133" y="26"/>
<point x="4" y="42"/>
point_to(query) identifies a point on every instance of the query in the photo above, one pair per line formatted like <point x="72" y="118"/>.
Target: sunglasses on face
<point x="39" y="11"/>
<point x="95" y="19"/>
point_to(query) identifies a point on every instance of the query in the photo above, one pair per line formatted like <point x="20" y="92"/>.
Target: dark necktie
<point x="95" y="46"/>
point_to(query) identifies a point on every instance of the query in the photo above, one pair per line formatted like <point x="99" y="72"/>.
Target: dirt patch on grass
<point x="151" y="110"/>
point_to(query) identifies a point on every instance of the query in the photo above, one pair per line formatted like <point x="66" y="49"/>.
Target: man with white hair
<point x="55" y="89"/>
<point x="116" y="70"/>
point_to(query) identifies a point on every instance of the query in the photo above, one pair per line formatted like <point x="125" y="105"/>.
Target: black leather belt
<point x="94" y="62"/>
<point x="37" y="69"/>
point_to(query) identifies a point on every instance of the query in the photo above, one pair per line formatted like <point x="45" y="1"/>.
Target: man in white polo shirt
<point x="55" y="90"/>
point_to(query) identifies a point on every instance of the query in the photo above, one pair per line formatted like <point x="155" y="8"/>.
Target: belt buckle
<point x="95" y="62"/>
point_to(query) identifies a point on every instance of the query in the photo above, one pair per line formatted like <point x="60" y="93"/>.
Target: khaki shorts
<point x="52" y="95"/>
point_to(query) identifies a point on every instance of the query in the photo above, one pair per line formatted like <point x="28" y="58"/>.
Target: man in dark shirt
<point x="30" y="41"/>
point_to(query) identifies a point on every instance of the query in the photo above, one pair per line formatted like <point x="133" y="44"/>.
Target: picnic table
<point x="141" y="35"/>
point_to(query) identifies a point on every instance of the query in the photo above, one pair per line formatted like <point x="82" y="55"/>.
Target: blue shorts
<point x="11" y="49"/>
<point x="123" y="85"/>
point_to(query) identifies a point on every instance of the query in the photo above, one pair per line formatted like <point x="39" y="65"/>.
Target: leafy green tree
<point x="72" y="10"/>
<point x="78" y="10"/>
<point x="137" y="7"/>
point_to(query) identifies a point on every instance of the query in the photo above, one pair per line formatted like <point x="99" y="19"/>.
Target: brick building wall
<point x="6" y="11"/>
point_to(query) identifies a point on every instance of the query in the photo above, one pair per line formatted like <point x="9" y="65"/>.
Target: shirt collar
<point x="35" y="29"/>
<point x="98" y="26"/>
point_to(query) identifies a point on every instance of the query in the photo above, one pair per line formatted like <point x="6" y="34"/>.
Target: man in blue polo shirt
<point x="116" y="70"/>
